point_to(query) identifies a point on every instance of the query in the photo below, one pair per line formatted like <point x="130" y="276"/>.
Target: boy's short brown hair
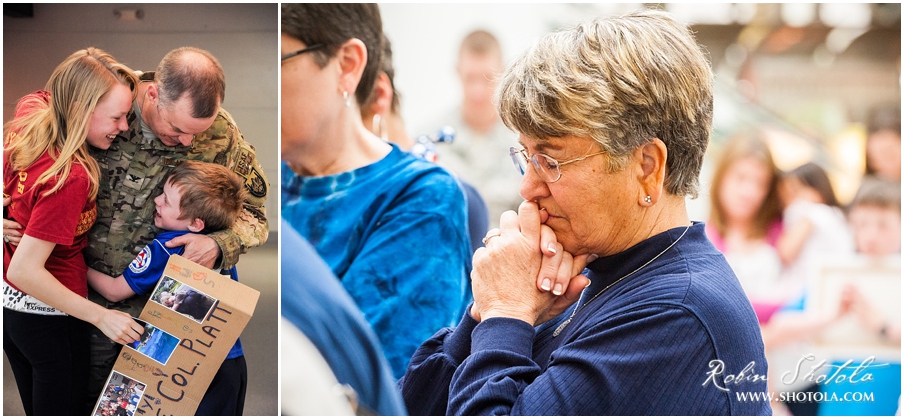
<point x="210" y="192"/>
<point x="880" y="193"/>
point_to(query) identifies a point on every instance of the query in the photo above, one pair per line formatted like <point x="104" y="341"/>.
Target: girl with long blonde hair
<point x="51" y="182"/>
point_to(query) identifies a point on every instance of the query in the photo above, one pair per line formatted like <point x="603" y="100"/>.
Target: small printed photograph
<point x="183" y="299"/>
<point x="120" y="397"/>
<point x="155" y="343"/>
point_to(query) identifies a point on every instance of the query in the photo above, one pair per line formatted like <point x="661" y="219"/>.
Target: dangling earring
<point x="348" y="102"/>
<point x="648" y="199"/>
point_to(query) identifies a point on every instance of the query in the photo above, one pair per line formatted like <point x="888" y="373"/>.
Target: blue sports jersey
<point x="147" y="268"/>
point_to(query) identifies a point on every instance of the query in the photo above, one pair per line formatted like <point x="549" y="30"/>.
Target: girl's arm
<point x="792" y="240"/>
<point x="27" y="272"/>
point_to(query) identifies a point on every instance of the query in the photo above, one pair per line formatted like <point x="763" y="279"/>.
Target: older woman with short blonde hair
<point x="614" y="118"/>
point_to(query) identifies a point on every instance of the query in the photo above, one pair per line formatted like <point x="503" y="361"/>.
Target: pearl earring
<point x="648" y="199"/>
<point x="348" y="102"/>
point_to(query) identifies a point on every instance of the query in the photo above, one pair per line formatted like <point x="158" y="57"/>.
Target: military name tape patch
<point x="141" y="261"/>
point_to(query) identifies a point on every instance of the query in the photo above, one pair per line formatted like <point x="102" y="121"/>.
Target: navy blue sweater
<point x="663" y="341"/>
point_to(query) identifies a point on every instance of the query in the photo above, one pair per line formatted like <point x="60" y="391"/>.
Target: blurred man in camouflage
<point x="176" y="116"/>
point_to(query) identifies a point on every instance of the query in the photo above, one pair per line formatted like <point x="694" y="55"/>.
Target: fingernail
<point x="557" y="290"/>
<point x="592" y="257"/>
<point x="546" y="284"/>
<point x="552" y="248"/>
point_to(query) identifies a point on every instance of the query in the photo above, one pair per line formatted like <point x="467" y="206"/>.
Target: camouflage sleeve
<point x="250" y="230"/>
<point x="252" y="227"/>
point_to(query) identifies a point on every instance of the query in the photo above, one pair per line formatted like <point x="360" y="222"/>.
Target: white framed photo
<point x="879" y="281"/>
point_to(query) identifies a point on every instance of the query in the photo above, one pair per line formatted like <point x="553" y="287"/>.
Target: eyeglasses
<point x="302" y="51"/>
<point x="548" y="168"/>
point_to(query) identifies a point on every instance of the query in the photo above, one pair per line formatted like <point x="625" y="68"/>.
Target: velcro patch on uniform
<point x="132" y="180"/>
<point x="141" y="261"/>
<point x="244" y="164"/>
<point x="255" y="184"/>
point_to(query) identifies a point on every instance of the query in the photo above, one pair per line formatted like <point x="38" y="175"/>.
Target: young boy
<point x="197" y="197"/>
<point x="875" y="218"/>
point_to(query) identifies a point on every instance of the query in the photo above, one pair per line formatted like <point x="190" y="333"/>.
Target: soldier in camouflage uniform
<point x="133" y="172"/>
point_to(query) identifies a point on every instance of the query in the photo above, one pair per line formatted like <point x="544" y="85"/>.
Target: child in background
<point x="875" y="219"/>
<point x="745" y="218"/>
<point x="814" y="231"/>
<point x="883" y="143"/>
<point x="815" y="227"/>
<point x="197" y="197"/>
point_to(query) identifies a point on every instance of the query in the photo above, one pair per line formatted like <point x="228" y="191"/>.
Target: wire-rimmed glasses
<point x="548" y="168"/>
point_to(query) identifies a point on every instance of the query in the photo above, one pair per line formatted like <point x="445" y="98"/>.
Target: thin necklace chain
<point x="580" y="306"/>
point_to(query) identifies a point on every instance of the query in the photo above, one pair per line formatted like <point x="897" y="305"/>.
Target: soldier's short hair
<point x="480" y="42"/>
<point x="210" y="192"/>
<point x="193" y="72"/>
<point x="332" y="25"/>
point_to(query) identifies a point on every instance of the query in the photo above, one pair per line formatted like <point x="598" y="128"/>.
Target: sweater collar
<point x="607" y="270"/>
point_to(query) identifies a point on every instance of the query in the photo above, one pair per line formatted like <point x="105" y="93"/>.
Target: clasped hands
<point x="523" y="272"/>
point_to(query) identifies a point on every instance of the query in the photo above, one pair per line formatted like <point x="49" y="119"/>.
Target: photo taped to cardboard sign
<point x="183" y="299"/>
<point x="120" y="397"/>
<point x="155" y="343"/>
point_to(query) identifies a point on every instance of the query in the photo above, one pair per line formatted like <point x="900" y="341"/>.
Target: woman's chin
<point x="570" y="245"/>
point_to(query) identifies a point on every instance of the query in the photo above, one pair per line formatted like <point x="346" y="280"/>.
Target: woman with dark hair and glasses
<point x="614" y="118"/>
<point x="393" y="228"/>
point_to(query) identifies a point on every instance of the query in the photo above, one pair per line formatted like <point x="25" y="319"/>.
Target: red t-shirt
<point x="63" y="217"/>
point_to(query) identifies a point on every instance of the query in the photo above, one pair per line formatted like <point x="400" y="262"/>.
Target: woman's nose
<point x="532" y="187"/>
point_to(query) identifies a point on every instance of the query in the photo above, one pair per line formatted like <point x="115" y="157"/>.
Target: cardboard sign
<point x="879" y="281"/>
<point x="191" y="321"/>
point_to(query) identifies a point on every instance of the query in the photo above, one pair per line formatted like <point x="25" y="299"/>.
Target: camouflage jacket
<point x="133" y="172"/>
